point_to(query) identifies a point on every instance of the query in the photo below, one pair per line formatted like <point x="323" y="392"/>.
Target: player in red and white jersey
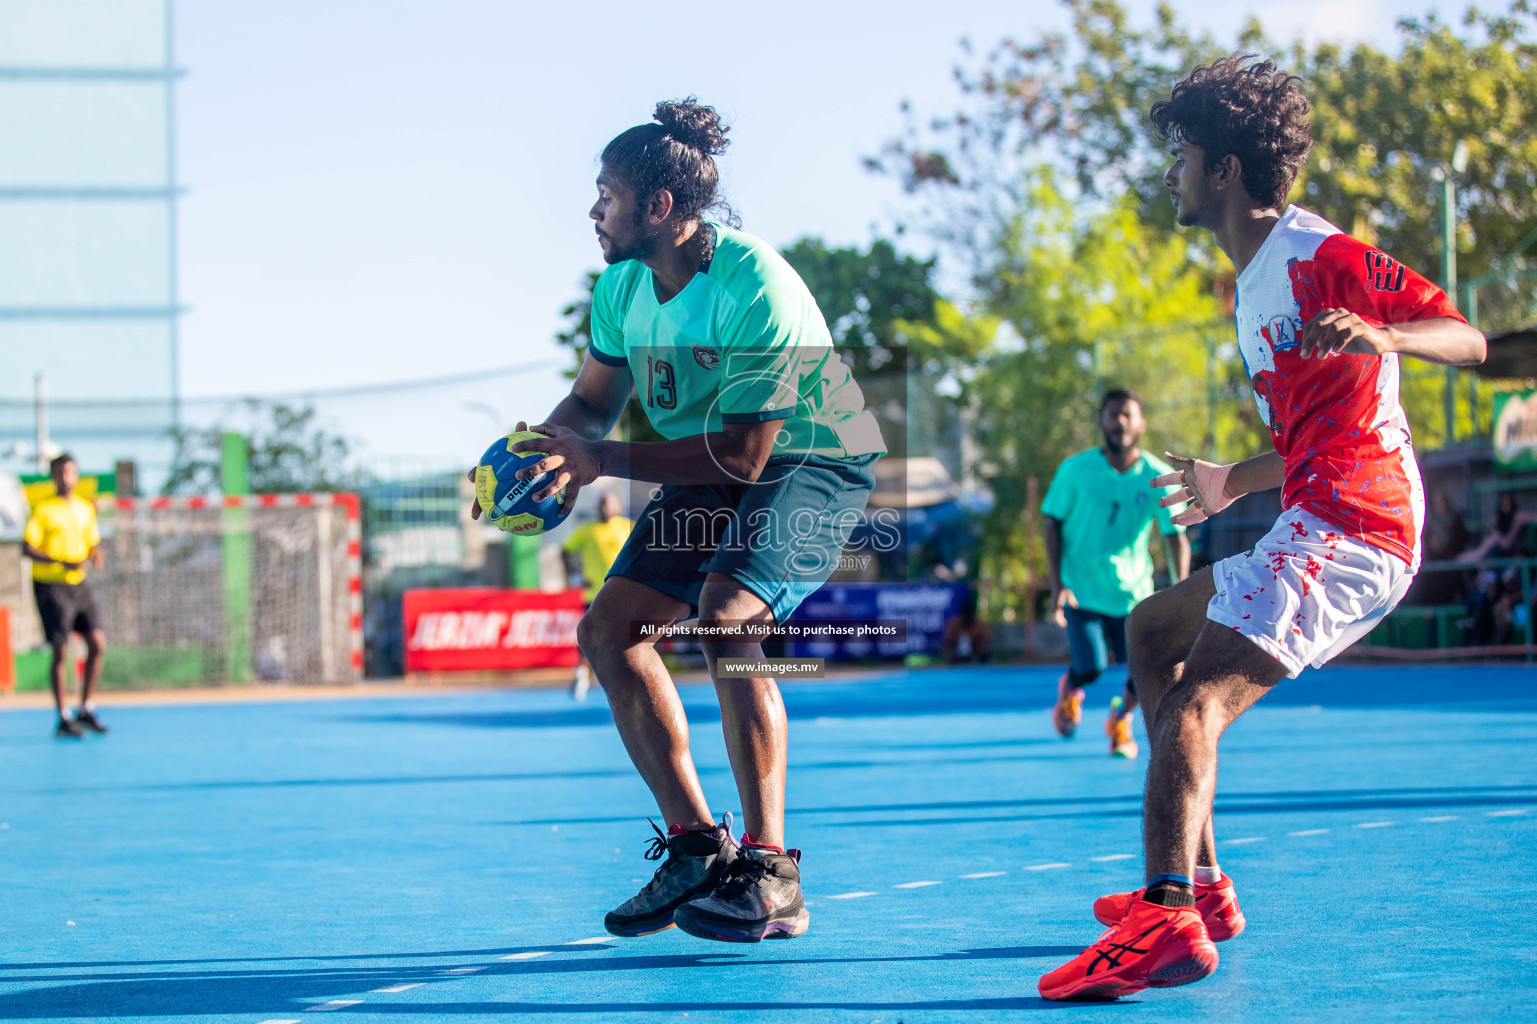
<point x="1323" y="320"/>
<point x="1336" y="422"/>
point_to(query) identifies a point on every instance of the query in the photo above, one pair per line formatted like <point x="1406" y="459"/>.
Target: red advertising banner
<point x="488" y="628"/>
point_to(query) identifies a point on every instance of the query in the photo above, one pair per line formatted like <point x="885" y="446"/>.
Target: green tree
<point x="1385" y="126"/>
<point x="289" y="454"/>
<point x="1090" y="302"/>
<point x="1383" y="123"/>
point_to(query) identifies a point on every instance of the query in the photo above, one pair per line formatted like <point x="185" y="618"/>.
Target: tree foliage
<point x="1089" y="303"/>
<point x="1384" y="127"/>
<point x="1045" y="183"/>
<point x="288" y="454"/>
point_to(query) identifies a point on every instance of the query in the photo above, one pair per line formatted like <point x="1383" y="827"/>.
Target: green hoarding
<point x="1515" y="431"/>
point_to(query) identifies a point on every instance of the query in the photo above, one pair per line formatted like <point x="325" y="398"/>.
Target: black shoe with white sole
<point x="695" y="864"/>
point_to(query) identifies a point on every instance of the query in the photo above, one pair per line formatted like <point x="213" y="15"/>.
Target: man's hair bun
<point x="693" y="124"/>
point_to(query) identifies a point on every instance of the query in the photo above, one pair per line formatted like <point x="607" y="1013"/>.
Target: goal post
<point x="178" y="609"/>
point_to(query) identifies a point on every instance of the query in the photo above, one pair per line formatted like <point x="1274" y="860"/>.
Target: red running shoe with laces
<point x="1216" y="902"/>
<point x="1152" y="947"/>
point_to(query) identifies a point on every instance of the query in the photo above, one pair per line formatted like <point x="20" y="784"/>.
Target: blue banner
<point x="925" y="607"/>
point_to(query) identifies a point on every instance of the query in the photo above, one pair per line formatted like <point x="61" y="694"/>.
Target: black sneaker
<point x="68" y="729"/>
<point x="696" y="862"/>
<point x="760" y="898"/>
<point x="88" y="720"/>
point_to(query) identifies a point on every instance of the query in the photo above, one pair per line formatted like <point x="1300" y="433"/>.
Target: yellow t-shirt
<point x="598" y="544"/>
<point x="64" y="529"/>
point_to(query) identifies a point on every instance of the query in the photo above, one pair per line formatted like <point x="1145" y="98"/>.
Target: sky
<point x="398" y="191"/>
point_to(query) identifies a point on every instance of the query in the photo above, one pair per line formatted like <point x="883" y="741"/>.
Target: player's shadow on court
<point x="275" y="991"/>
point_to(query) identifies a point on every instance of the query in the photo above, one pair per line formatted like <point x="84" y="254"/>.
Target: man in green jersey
<point x="765" y="469"/>
<point x="1099" y="511"/>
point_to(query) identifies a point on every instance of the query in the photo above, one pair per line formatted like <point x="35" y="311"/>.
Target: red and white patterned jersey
<point x="1337" y="422"/>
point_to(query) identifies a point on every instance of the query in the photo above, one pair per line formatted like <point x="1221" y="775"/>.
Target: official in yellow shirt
<point x="61" y="538"/>
<point x="589" y="553"/>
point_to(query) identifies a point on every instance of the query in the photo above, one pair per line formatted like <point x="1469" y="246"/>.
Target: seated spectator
<point x="968" y="638"/>
<point x="1507" y="538"/>
<point x="1497" y="613"/>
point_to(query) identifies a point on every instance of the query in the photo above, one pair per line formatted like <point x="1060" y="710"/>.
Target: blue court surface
<point x="451" y="857"/>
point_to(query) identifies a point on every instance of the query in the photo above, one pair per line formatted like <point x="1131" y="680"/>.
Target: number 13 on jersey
<point x="661" y="386"/>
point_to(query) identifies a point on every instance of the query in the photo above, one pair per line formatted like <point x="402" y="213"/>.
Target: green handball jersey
<point x="1107" y="517"/>
<point x="741" y="343"/>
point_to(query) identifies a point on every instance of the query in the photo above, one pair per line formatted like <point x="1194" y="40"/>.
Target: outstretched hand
<point x="1203" y="484"/>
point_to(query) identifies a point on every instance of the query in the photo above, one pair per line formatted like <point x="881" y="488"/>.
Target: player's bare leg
<point x="641" y="694"/>
<point x="1223" y="677"/>
<point x="95" y="647"/>
<point x="651" y="722"/>
<point x="56" y="676"/>
<point x="752" y="713"/>
<point x="1159" y="636"/>
<point x="760" y="897"/>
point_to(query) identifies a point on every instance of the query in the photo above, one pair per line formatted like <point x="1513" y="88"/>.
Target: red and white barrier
<point x="490" y="629"/>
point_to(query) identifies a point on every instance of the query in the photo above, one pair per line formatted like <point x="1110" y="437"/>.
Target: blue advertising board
<point x="925" y="607"/>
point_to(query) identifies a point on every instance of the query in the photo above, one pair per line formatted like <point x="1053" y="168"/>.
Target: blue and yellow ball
<point x="506" y="501"/>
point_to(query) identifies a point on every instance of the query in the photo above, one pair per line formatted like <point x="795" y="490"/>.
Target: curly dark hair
<point x="677" y="153"/>
<point x="1245" y="107"/>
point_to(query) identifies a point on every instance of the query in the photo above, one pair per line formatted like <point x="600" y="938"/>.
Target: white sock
<point x="89" y="707"/>
<point x="1207" y="875"/>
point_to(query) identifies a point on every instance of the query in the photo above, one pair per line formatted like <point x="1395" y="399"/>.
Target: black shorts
<point x="65" y="608"/>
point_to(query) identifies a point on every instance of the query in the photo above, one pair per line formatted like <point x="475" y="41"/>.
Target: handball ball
<point x="508" y="503"/>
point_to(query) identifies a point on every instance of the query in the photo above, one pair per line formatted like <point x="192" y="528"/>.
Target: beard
<point x="637" y="246"/>
<point x="1188" y="214"/>
<point x="1118" y="443"/>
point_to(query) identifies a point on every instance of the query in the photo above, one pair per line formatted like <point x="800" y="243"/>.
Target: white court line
<point x="527" y="956"/>
<point x="850" y="895"/>
<point x="1376" y="824"/>
<point x="1241" y="842"/>
<point x="1309" y="832"/>
<point x="287" y="1020"/>
<point x="1048" y="867"/>
<point x="463" y="970"/>
<point x="399" y="988"/>
<point x="1112" y="856"/>
<point x="914" y="885"/>
<point x="1444" y="817"/>
<point x="985" y="874"/>
<point x="1504" y="814"/>
<point x="335" y="1004"/>
<point x="592" y="941"/>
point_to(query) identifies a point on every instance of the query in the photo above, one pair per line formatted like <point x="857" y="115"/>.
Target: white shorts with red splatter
<point x="1306" y="592"/>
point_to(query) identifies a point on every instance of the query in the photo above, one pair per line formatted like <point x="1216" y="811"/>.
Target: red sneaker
<point x="1216" y="902"/>
<point x="1152" y="947"/>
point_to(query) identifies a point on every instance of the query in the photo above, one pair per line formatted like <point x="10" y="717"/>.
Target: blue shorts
<point x="780" y="537"/>
<point x="1091" y="639"/>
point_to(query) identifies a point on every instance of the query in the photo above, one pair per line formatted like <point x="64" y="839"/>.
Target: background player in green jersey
<point x="1099" y="512"/>
<point x="765" y="470"/>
